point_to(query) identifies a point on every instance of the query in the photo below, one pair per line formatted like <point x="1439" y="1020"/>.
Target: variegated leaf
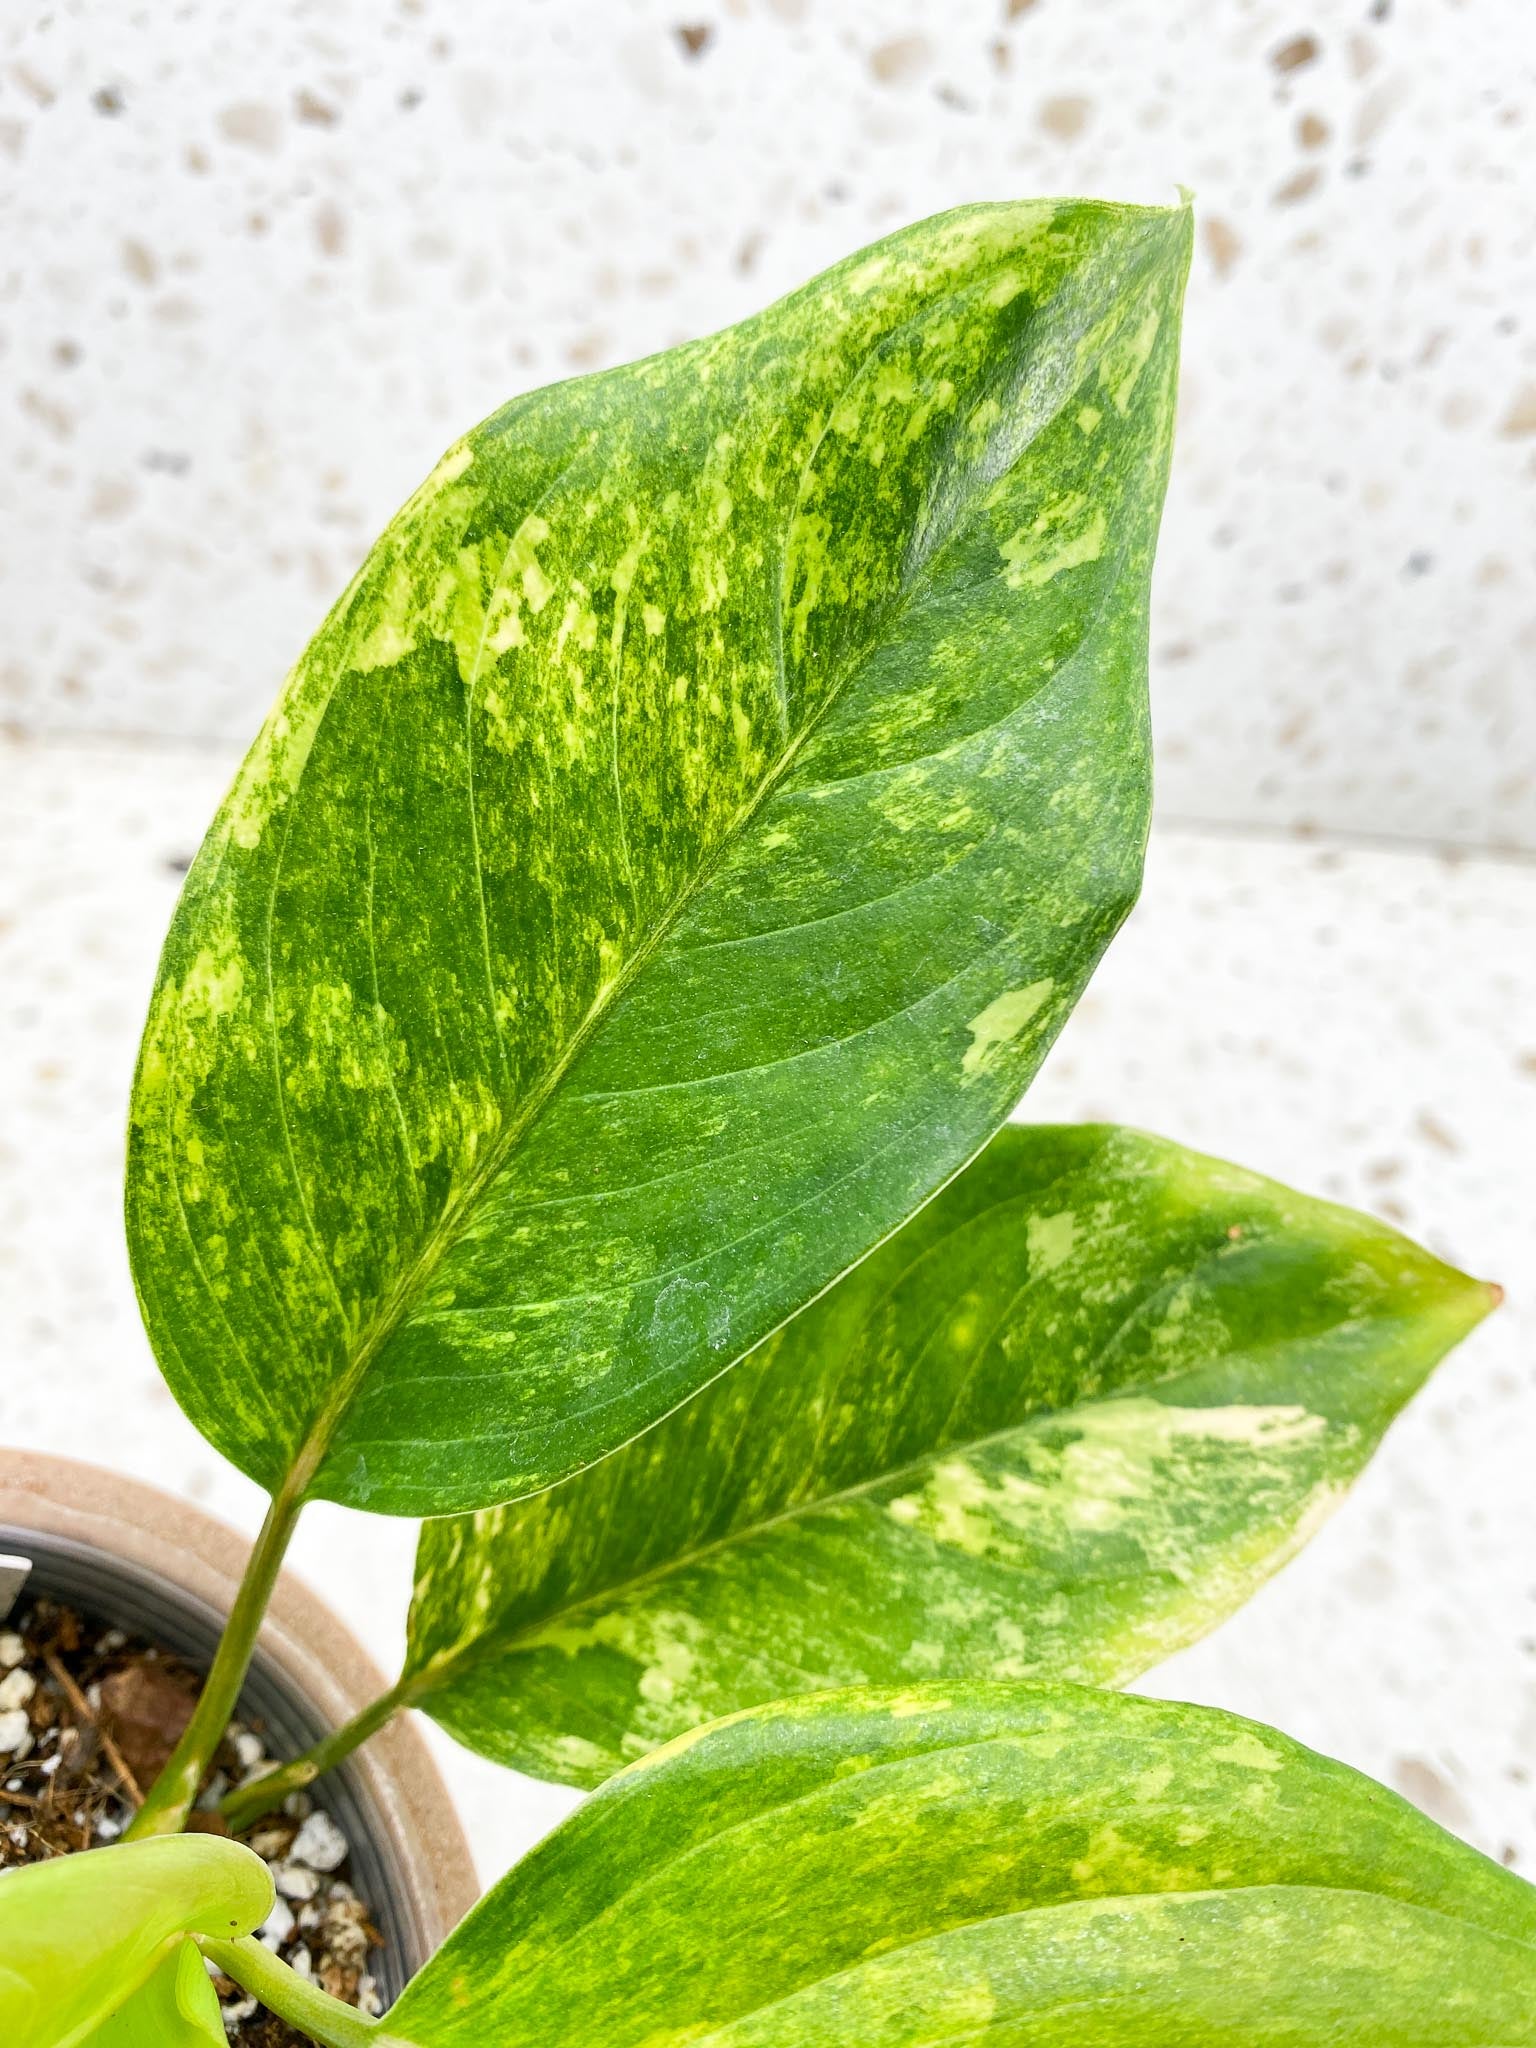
<point x="1059" y="1425"/>
<point x="666" y="867"/>
<point x="1036" y="1867"/>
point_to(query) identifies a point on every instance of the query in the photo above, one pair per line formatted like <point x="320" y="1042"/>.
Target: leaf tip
<point x="1466" y="1302"/>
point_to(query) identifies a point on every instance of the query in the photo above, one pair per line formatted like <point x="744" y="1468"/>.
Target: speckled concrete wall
<point x="261" y="262"/>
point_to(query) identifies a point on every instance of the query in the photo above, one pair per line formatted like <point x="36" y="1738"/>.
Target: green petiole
<point x="294" y="1998"/>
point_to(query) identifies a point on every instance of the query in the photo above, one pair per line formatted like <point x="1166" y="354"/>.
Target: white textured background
<point x="262" y="262"/>
<point x="258" y="264"/>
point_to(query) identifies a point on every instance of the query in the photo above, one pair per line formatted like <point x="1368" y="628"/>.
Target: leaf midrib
<point x="447" y="1231"/>
<point x="492" y="1643"/>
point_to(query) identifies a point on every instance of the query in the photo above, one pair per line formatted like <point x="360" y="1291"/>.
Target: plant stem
<point x="171" y="1797"/>
<point x="294" y="1998"/>
<point x="247" y="1803"/>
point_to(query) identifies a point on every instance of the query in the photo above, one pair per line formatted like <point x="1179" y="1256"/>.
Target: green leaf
<point x="79" y="1936"/>
<point x="1019" y="1864"/>
<point x="1058" y="1426"/>
<point x="1289" y="1969"/>
<point x="666" y="867"/>
<point x="177" y="2008"/>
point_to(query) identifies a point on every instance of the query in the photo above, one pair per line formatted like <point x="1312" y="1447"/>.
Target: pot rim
<point x="144" y="1527"/>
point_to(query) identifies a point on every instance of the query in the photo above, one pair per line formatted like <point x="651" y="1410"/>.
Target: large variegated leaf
<point x="1018" y="1865"/>
<point x="666" y="867"/>
<point x="80" y="1936"/>
<point x="1056" y="1427"/>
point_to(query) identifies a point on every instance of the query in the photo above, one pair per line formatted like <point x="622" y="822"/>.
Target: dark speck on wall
<point x="1065" y="117"/>
<point x="311" y="108"/>
<point x="1298" y="186"/>
<point x="1222" y="243"/>
<point x="1294" y="53"/>
<point x="901" y="60"/>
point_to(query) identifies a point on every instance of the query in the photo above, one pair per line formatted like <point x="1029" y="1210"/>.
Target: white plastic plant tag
<point x="13" y="1576"/>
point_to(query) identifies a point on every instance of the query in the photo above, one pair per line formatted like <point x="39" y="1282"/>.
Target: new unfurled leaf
<point x="1039" y="1867"/>
<point x="1056" y="1427"/>
<point x="80" y="1936"/>
<point x="665" y="868"/>
<point x="177" y="2008"/>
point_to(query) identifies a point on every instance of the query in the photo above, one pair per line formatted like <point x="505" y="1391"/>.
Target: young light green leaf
<point x="1056" y="1427"/>
<point x="666" y="867"/>
<point x="1026" y="1865"/>
<point x="79" y="1936"/>
<point x="177" y="2008"/>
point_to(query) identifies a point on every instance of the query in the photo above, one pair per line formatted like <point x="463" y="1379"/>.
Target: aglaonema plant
<point x="569" y="1111"/>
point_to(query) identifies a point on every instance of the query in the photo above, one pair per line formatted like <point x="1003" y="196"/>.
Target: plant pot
<point x="132" y="1557"/>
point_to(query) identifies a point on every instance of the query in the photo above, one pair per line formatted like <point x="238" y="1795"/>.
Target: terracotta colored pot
<point x="133" y="1557"/>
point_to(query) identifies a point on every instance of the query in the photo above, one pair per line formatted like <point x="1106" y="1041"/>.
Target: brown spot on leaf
<point x="695" y="37"/>
<point x="310" y="107"/>
<point x="1312" y="131"/>
<point x="1521" y="417"/>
